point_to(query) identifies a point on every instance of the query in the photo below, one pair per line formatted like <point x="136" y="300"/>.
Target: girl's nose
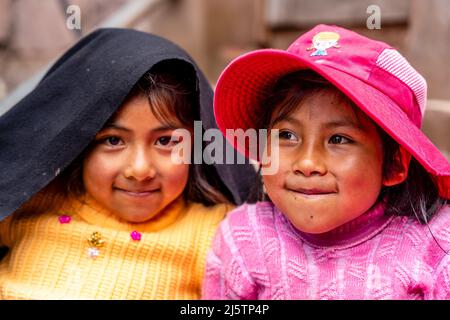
<point x="310" y="161"/>
<point x="139" y="167"/>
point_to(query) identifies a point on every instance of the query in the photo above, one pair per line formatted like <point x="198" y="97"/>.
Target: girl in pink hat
<point x="358" y="208"/>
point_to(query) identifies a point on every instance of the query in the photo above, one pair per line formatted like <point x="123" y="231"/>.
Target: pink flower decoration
<point x="135" y="235"/>
<point x="64" y="219"/>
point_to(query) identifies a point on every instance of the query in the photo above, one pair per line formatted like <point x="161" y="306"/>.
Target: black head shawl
<point x="42" y="134"/>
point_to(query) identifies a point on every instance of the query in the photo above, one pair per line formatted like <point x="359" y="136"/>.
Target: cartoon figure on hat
<point x="323" y="41"/>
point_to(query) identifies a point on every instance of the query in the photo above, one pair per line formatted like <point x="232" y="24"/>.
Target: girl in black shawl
<point x="100" y="208"/>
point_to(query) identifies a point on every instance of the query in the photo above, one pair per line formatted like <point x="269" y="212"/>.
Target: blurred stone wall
<point x="34" y="32"/>
<point x="212" y="31"/>
<point x="428" y="44"/>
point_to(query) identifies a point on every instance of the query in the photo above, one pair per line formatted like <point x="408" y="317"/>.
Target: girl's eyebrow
<point x="331" y="124"/>
<point x="344" y="123"/>
<point x="117" y="126"/>
<point x="287" y="119"/>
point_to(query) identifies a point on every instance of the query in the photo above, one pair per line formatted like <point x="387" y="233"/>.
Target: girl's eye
<point x="113" y="141"/>
<point x="168" y="141"/>
<point x="338" y="139"/>
<point x="287" y="135"/>
<point x="164" y="141"/>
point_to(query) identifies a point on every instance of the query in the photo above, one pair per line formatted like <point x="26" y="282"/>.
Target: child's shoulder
<point x="437" y="238"/>
<point x="440" y="226"/>
<point x="200" y="208"/>
<point x="214" y="213"/>
<point x="440" y="221"/>
<point x="259" y="218"/>
<point x="251" y="210"/>
<point x="29" y="216"/>
<point x="442" y="217"/>
<point x="431" y="240"/>
<point x="255" y="231"/>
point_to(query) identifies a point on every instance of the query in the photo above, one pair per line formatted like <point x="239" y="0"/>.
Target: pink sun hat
<point x="371" y="73"/>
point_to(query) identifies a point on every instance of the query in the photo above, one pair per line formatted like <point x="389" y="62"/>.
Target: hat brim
<point x="244" y="85"/>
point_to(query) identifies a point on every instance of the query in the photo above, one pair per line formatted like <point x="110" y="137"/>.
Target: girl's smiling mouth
<point x="139" y="193"/>
<point x="311" y="192"/>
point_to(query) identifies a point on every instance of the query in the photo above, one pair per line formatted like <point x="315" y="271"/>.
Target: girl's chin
<point x="316" y="230"/>
<point x="137" y="214"/>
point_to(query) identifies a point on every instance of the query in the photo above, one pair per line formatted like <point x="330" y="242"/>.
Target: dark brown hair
<point x="417" y="196"/>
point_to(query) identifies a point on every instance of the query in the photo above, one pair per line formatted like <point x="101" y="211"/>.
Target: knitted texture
<point x="50" y="260"/>
<point x="258" y="254"/>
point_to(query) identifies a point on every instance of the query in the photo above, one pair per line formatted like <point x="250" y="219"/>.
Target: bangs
<point x="171" y="102"/>
<point x="292" y="89"/>
<point x="170" y="87"/>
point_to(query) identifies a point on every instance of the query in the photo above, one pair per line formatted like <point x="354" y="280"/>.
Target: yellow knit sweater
<point x="53" y="260"/>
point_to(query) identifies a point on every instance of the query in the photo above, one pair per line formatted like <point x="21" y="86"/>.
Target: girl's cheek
<point x="176" y="178"/>
<point x="272" y="181"/>
<point x="99" y="164"/>
<point x="106" y="163"/>
<point x="182" y="171"/>
<point x="172" y="171"/>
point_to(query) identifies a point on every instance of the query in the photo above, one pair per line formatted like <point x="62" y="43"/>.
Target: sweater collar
<point x="351" y="233"/>
<point x="92" y="212"/>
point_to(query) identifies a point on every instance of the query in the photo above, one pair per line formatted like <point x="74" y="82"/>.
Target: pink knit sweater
<point x="258" y="254"/>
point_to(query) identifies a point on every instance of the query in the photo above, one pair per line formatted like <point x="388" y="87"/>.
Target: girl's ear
<point x="400" y="172"/>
